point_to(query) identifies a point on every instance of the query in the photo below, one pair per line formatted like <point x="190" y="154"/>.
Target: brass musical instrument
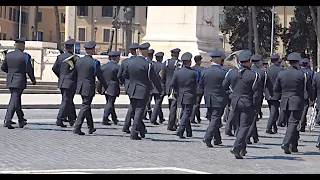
<point x="232" y="59"/>
<point x="71" y="60"/>
<point x="171" y="96"/>
<point x="161" y="74"/>
<point x="3" y="52"/>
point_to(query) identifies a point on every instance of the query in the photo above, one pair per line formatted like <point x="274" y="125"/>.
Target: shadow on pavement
<point x="271" y="137"/>
<point x="276" y="158"/>
<point x="310" y="153"/>
<point x="170" y="140"/>
<point x="257" y="147"/>
<point x="48" y="129"/>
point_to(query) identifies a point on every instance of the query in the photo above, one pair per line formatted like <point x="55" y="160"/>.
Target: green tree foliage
<point x="236" y="24"/>
<point x="301" y="36"/>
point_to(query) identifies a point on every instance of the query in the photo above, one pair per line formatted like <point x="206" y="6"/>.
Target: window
<point x="107" y="11"/>
<point x="26" y="19"/>
<point x="133" y="11"/>
<point x="5" y="12"/>
<point x="14" y="15"/>
<point x="106" y="35"/>
<point x="10" y="14"/>
<point x="40" y="36"/>
<point x="18" y="16"/>
<point x="0" y="35"/>
<point x="4" y="36"/>
<point x="146" y="11"/>
<point x="0" y="12"/>
<point x="82" y="10"/>
<point x="221" y="17"/>
<point x="82" y="34"/>
<point x="63" y="18"/>
<point x="39" y="17"/>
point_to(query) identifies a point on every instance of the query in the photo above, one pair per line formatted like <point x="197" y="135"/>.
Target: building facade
<point x="86" y="23"/>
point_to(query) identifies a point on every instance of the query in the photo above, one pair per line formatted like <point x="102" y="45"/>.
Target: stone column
<point x="193" y="29"/>
<point x="31" y="17"/>
<point x="70" y="25"/>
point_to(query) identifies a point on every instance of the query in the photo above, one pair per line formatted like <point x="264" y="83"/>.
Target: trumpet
<point x="71" y="60"/>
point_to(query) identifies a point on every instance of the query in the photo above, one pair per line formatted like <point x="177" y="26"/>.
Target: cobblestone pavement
<point x="41" y="147"/>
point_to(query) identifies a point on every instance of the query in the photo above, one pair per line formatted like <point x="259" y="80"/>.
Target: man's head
<point x="244" y="58"/>
<point x="256" y="60"/>
<point x="69" y="45"/>
<point x="275" y="59"/>
<point x="114" y="56"/>
<point x="150" y="53"/>
<point x="133" y="48"/>
<point x="294" y="58"/>
<point x="144" y="49"/>
<point x="20" y="43"/>
<point x="216" y="57"/>
<point x="186" y="58"/>
<point x="90" y="47"/>
<point x="197" y="59"/>
<point x="159" y="56"/>
<point x="175" y="53"/>
<point x="304" y="62"/>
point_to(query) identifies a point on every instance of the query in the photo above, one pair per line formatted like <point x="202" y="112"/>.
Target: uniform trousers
<point x="109" y="108"/>
<point x="172" y="113"/>
<point x="138" y="107"/>
<point x="67" y="107"/>
<point x="14" y="106"/>
<point x="274" y="114"/>
<point x="85" y="113"/>
<point x="292" y="133"/>
<point x="244" y="117"/>
<point x="214" y="125"/>
<point x="196" y="108"/>
<point x="231" y="123"/>
<point x="304" y="113"/>
<point x="185" y="124"/>
<point x="157" y="110"/>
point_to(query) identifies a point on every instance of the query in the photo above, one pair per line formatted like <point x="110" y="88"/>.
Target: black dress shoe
<point x="275" y="130"/>
<point x="65" y="120"/>
<point x="115" y="122"/>
<point x="248" y="142"/>
<point x="71" y="122"/>
<point x="180" y="135"/>
<point x="236" y="154"/>
<point x="217" y="143"/>
<point x="92" y="130"/>
<point x="199" y="121"/>
<point x="106" y="123"/>
<point x="8" y="125"/>
<point x="126" y="130"/>
<point x="21" y="125"/>
<point x="60" y="123"/>
<point x="294" y="150"/>
<point x="303" y="130"/>
<point x="243" y="152"/>
<point x="229" y="134"/>
<point x="189" y="135"/>
<point x="255" y="140"/>
<point x="318" y="146"/>
<point x="171" y="129"/>
<point x="269" y="131"/>
<point x="207" y="142"/>
<point x="13" y="122"/>
<point x="79" y="132"/>
<point x="286" y="149"/>
<point x="142" y="134"/>
<point x="135" y="138"/>
<point x="162" y="120"/>
<point x="154" y="123"/>
<point x="193" y="122"/>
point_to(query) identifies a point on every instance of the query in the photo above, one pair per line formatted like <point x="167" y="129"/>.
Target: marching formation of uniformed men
<point x="233" y="94"/>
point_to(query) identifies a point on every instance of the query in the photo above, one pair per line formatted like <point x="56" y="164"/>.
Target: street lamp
<point x="272" y="31"/>
<point x="95" y="28"/>
<point x="139" y="37"/>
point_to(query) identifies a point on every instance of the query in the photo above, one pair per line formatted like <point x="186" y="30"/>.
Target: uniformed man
<point x="87" y="69"/>
<point x="133" y="50"/>
<point x="196" y="107"/>
<point x="149" y="109"/>
<point x="110" y="71"/>
<point x="185" y="82"/>
<point x="158" y="98"/>
<point x="256" y="66"/>
<point x="272" y="97"/>
<point x="67" y="83"/>
<point x="265" y="65"/>
<point x="169" y="68"/>
<point x="142" y="77"/>
<point x="304" y="63"/>
<point x="215" y="97"/>
<point x="316" y="87"/>
<point x="244" y="84"/>
<point x="17" y="64"/>
<point x="292" y="83"/>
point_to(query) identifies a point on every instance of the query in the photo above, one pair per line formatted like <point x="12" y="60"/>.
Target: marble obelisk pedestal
<point x="193" y="29"/>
